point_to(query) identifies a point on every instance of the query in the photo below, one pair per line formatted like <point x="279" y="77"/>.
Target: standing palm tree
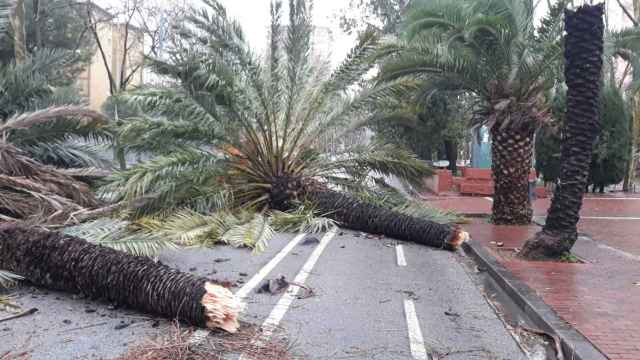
<point x="583" y="72"/>
<point x="490" y="50"/>
<point x="241" y="142"/>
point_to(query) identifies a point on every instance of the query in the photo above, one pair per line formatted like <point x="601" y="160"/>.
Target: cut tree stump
<point x="62" y="262"/>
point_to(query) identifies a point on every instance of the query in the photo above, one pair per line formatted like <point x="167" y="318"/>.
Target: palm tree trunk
<point x="583" y="71"/>
<point x="357" y="215"/>
<point x="19" y="38"/>
<point x="511" y="151"/>
<point x="62" y="262"/>
<point x="451" y="151"/>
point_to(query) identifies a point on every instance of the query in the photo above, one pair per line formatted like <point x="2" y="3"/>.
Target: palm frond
<point x="255" y="234"/>
<point x="134" y="238"/>
<point x="8" y="279"/>
<point x="302" y="220"/>
<point x="6" y="7"/>
<point x="420" y="210"/>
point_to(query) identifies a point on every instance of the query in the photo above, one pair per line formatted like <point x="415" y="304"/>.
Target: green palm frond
<point x="255" y="234"/>
<point x="134" y="238"/>
<point x="421" y="210"/>
<point x="69" y="154"/>
<point x="302" y="220"/>
<point x="6" y="7"/>
<point x="192" y="228"/>
<point x="385" y="160"/>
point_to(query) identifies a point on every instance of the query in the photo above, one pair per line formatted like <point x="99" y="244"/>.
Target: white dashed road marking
<point x="200" y="335"/>
<point x="416" y="341"/>
<point x="402" y="261"/>
<point x="262" y="274"/>
<point x="281" y="308"/>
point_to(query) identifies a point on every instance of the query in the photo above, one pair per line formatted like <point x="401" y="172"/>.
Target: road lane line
<point x="402" y="261"/>
<point x="416" y="341"/>
<point x="262" y="274"/>
<point x="281" y="308"/>
<point x="200" y="335"/>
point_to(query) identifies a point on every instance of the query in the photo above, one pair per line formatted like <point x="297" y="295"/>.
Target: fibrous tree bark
<point x="62" y="262"/>
<point x="357" y="215"/>
<point x="583" y="71"/>
<point x="511" y="152"/>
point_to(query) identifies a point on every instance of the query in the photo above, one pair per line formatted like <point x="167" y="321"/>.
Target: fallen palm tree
<point x="276" y="141"/>
<point x="362" y="216"/>
<point x="62" y="262"/>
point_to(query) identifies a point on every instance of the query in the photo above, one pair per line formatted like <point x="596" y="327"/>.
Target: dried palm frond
<point x="8" y="279"/>
<point x="81" y="114"/>
<point x="33" y="192"/>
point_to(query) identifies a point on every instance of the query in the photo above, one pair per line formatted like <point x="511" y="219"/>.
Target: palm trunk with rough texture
<point x="511" y="151"/>
<point x="358" y="215"/>
<point x="583" y="72"/>
<point x="19" y="37"/>
<point x="62" y="262"/>
<point x="634" y="125"/>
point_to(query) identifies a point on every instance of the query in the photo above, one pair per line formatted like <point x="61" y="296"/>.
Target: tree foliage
<point x="611" y="151"/>
<point x="239" y="140"/>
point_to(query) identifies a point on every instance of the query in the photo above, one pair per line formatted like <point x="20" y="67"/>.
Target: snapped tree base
<point x="548" y="245"/>
<point x="62" y="262"/>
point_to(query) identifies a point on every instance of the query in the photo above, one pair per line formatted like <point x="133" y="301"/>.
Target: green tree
<point x="437" y="126"/>
<point x="611" y="151"/>
<point x="53" y="25"/>
<point x="385" y="15"/>
<point x="242" y="144"/>
<point x="490" y="50"/>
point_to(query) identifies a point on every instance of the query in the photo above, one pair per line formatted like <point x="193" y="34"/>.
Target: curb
<point x="574" y="345"/>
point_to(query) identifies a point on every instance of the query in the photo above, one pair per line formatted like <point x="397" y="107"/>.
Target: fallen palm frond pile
<point x="31" y="191"/>
<point x="176" y="346"/>
<point x="62" y="262"/>
<point x="34" y="192"/>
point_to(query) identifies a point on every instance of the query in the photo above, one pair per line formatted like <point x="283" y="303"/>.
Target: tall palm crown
<point x="490" y="49"/>
<point x="235" y="134"/>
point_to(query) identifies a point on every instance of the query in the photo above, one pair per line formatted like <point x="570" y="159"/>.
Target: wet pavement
<point x="373" y="298"/>
<point x="600" y="296"/>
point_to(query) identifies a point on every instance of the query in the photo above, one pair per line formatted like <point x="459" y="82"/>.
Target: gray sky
<point x="254" y="17"/>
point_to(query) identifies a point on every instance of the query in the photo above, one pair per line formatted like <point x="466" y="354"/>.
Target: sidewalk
<point x="600" y="297"/>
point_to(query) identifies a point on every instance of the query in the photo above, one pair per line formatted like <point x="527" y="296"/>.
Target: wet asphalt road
<point x="368" y="303"/>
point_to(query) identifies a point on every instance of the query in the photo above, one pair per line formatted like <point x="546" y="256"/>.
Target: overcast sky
<point x="254" y="17"/>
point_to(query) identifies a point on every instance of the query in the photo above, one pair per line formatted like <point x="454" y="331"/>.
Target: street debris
<point x="311" y="240"/>
<point x="273" y="286"/>
<point x="280" y="284"/>
<point x="174" y="345"/>
<point x="221" y="260"/>
<point x="451" y="313"/>
<point x="122" y="325"/>
<point x="19" y="315"/>
<point x="412" y="295"/>
<point x="555" y="338"/>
